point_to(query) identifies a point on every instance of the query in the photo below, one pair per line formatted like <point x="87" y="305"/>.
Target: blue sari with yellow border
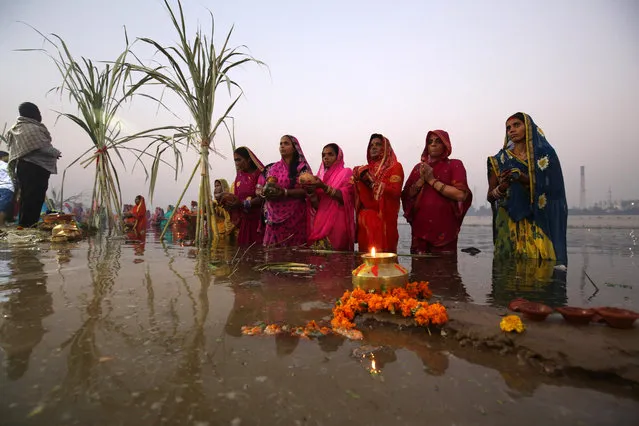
<point x="531" y="221"/>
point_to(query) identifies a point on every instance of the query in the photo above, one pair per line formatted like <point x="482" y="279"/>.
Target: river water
<point x="107" y="332"/>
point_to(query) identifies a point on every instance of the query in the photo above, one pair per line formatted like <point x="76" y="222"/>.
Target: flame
<point x="373" y="251"/>
<point x="373" y="365"/>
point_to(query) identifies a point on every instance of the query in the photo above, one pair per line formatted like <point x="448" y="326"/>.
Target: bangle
<point x="441" y="188"/>
<point x="285" y="192"/>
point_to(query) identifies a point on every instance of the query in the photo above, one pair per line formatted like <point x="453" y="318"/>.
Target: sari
<point x="139" y="213"/>
<point x="248" y="220"/>
<point x="222" y="218"/>
<point x="531" y="221"/>
<point x="333" y="221"/>
<point x="286" y="218"/>
<point x="435" y="220"/>
<point x="378" y="207"/>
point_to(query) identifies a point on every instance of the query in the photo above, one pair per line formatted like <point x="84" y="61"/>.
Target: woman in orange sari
<point x="137" y="216"/>
<point x="378" y="190"/>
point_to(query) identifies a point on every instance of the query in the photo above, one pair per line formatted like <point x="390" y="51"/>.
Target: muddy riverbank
<point x="552" y="347"/>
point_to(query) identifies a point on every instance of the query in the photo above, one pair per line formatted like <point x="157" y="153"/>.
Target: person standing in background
<point x="32" y="159"/>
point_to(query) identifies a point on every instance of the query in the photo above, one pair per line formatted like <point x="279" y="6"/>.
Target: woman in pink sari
<point x="436" y="197"/>
<point x="332" y="201"/>
<point x="286" y="210"/>
<point x="245" y="207"/>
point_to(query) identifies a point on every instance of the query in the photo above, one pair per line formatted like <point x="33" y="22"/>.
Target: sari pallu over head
<point x="381" y="169"/>
<point x="544" y="201"/>
<point x="440" y="217"/>
<point x="279" y="211"/>
<point x="246" y="182"/>
<point x="339" y="177"/>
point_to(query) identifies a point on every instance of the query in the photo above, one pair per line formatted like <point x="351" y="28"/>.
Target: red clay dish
<point x="535" y="311"/>
<point x="514" y="304"/>
<point x="618" y="318"/>
<point x="574" y="315"/>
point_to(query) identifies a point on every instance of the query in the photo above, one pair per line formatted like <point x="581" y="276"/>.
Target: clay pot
<point x="514" y="304"/>
<point x="574" y="315"/>
<point x="535" y="311"/>
<point x="618" y="318"/>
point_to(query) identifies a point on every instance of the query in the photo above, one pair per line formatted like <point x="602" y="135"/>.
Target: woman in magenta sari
<point x="436" y="197"/>
<point x="286" y="211"/>
<point x="245" y="207"/>
<point x="332" y="201"/>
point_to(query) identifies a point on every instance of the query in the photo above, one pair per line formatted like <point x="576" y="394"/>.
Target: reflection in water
<point x="83" y="376"/>
<point x="27" y="304"/>
<point x="387" y="340"/>
<point x="533" y="279"/>
<point x="442" y="274"/>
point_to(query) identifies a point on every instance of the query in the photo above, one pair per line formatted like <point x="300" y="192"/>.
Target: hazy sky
<point x="341" y="70"/>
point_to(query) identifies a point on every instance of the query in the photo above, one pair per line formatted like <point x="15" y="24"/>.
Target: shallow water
<point x="112" y="333"/>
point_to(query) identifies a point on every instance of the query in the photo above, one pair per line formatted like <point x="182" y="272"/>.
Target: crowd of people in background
<point x="285" y="204"/>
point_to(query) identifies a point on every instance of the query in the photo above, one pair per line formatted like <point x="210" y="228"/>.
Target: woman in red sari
<point x="378" y="189"/>
<point x="436" y="197"/>
<point x="137" y="216"/>
<point x="246" y="207"/>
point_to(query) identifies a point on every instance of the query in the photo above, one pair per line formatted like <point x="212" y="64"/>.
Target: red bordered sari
<point x="378" y="207"/>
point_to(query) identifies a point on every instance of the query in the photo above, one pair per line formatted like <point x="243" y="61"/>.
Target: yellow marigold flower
<point x="512" y="323"/>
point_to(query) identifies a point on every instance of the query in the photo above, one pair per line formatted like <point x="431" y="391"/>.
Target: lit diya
<point x="379" y="272"/>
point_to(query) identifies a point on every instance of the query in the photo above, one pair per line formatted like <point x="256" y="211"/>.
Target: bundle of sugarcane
<point x="98" y="93"/>
<point x="195" y="72"/>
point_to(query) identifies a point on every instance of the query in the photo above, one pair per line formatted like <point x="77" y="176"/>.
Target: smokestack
<point x="582" y="194"/>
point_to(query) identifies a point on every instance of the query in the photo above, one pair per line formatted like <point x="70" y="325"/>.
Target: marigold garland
<point x="402" y="300"/>
<point x="398" y="300"/>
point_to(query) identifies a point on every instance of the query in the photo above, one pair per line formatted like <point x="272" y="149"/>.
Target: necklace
<point x="521" y="155"/>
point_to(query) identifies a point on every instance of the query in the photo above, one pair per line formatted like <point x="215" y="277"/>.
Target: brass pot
<point x="380" y="272"/>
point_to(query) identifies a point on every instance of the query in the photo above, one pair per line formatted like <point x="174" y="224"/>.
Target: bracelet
<point x="441" y="188"/>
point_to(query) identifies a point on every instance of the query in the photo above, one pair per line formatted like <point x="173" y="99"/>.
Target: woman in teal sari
<point x="526" y="191"/>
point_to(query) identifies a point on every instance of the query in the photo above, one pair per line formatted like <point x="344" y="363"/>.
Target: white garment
<point x="5" y="179"/>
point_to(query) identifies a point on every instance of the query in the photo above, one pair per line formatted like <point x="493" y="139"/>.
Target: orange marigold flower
<point x="407" y="306"/>
<point x="391" y="303"/>
<point x="375" y="303"/>
<point x="400" y="293"/>
<point x="421" y="316"/>
<point x="437" y="313"/>
<point x="424" y="290"/>
<point x="412" y="290"/>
